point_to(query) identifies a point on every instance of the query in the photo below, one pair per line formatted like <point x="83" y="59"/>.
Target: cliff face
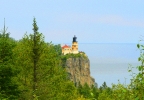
<point x="79" y="70"/>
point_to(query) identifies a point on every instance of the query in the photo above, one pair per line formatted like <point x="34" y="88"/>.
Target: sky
<point x="92" y="21"/>
<point x="98" y="22"/>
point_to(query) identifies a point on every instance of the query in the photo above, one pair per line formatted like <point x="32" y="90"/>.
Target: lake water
<point x="109" y="62"/>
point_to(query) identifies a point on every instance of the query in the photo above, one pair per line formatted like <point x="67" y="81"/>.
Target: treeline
<point x="31" y="69"/>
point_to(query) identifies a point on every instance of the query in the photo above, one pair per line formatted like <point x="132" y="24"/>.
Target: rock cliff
<point x="78" y="69"/>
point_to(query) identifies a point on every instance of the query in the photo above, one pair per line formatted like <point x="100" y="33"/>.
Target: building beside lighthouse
<point x="71" y="49"/>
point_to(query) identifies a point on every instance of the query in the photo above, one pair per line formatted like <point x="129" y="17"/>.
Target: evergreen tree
<point x="36" y="54"/>
<point x="85" y="90"/>
<point x="8" y="87"/>
<point x="104" y="85"/>
<point x="58" y="49"/>
<point x="41" y="75"/>
<point x="95" y="92"/>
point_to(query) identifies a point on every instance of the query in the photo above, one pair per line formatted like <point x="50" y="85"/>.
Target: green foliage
<point x="95" y="92"/>
<point x="133" y="91"/>
<point x="86" y="91"/>
<point x="31" y="69"/>
<point x="8" y="86"/>
<point x="104" y="86"/>
<point x="58" y="49"/>
<point x="71" y="55"/>
<point x="137" y="83"/>
<point x="41" y="76"/>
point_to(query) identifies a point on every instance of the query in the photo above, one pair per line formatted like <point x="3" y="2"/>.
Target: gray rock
<point x="79" y="70"/>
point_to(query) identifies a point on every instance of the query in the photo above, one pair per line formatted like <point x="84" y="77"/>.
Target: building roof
<point x="65" y="46"/>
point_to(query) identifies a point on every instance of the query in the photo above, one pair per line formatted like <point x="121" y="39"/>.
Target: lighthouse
<point x="73" y="49"/>
<point x="74" y="45"/>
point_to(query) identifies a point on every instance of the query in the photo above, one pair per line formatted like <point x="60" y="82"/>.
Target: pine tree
<point x="85" y="90"/>
<point x="36" y="54"/>
<point x="41" y="75"/>
<point x="8" y="87"/>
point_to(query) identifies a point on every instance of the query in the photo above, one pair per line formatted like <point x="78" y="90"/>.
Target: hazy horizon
<point x="109" y="62"/>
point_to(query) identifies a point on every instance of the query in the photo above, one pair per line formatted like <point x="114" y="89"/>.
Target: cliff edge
<point x="78" y="69"/>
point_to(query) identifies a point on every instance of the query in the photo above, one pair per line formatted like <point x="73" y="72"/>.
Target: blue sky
<point x="92" y="21"/>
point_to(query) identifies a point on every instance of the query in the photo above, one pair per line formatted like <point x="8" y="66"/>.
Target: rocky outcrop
<point x="78" y="69"/>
